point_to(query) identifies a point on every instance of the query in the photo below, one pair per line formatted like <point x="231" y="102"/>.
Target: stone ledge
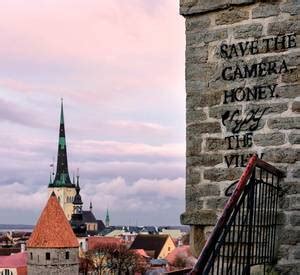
<point x="204" y="217"/>
<point x="190" y="7"/>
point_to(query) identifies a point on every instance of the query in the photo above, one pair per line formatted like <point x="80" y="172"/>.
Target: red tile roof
<point x="99" y="242"/>
<point x="14" y="260"/>
<point x="141" y="252"/>
<point x="52" y="229"/>
<point x="183" y="252"/>
<point x="22" y="270"/>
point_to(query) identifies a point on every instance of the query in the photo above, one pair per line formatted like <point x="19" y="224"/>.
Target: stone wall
<point x="37" y="263"/>
<point x="242" y="97"/>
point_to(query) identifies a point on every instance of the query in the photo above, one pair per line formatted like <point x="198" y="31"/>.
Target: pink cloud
<point x="122" y="195"/>
<point x="120" y="149"/>
<point x="143" y="49"/>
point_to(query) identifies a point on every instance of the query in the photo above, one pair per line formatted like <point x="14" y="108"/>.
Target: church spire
<point x="62" y="177"/>
<point x="107" y="219"/>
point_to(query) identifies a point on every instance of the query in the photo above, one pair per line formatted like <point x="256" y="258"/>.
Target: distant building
<point x="53" y="246"/>
<point x="149" y="230"/>
<point x="101" y="225"/>
<point x="128" y="237"/>
<point x="174" y="233"/>
<point x="15" y="264"/>
<point x="90" y="221"/>
<point x="156" y="246"/>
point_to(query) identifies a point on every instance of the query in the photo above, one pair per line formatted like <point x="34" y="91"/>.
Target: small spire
<point x="91" y="206"/>
<point x="107" y="220"/>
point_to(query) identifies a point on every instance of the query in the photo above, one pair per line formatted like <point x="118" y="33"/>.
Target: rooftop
<point x="153" y="243"/>
<point x="96" y="242"/>
<point x="52" y="229"/>
<point x="14" y="260"/>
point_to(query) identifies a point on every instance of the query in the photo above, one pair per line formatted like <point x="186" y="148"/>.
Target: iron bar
<point x="245" y="234"/>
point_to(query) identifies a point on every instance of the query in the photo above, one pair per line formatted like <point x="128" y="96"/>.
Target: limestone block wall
<point x="242" y="97"/>
<point x="37" y="263"/>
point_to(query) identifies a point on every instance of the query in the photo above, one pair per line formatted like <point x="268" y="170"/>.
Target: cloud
<point x="19" y="196"/>
<point x="145" y="201"/>
<point x="15" y="113"/>
<point x="133" y="200"/>
<point x="122" y="79"/>
<point x="28" y="158"/>
<point x="125" y="150"/>
<point x="95" y="48"/>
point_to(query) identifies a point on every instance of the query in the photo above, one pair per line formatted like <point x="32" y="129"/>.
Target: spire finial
<point x="91" y="206"/>
<point x="61" y="111"/>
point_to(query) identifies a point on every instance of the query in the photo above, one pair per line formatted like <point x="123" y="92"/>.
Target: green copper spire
<point x="107" y="219"/>
<point x="62" y="178"/>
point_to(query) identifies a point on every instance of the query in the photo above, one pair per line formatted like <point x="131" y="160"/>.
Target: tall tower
<point x="52" y="247"/>
<point x="62" y="186"/>
<point x="107" y="219"/>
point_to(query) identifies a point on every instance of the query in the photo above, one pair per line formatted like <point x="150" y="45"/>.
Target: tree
<point x="85" y="264"/>
<point x="114" y="259"/>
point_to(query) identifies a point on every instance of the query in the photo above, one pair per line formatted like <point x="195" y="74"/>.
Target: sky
<point x="119" y="66"/>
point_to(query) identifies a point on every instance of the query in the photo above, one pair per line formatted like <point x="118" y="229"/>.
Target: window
<point x="47" y="256"/>
<point x="67" y="255"/>
<point x="31" y="257"/>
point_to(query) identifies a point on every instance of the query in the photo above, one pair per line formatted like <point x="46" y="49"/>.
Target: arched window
<point x="58" y="198"/>
<point x="31" y="256"/>
<point x="67" y="255"/>
<point x="47" y="255"/>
